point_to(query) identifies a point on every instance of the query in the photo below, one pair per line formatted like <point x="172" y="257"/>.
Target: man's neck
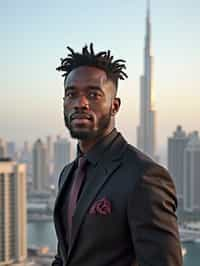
<point x="86" y="145"/>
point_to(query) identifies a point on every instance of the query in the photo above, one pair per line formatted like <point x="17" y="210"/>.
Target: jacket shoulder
<point x="143" y="163"/>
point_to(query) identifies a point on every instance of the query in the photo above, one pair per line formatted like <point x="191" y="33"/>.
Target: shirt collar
<point x="99" y="148"/>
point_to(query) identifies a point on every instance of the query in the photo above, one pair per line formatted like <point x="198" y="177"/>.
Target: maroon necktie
<point x="78" y="179"/>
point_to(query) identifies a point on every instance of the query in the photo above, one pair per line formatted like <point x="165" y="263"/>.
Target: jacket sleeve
<point x="152" y="219"/>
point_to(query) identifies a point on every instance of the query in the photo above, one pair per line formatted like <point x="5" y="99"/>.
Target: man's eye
<point x="94" y="95"/>
<point x="69" y="94"/>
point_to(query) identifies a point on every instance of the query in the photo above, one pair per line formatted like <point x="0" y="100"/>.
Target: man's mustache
<point x="79" y="115"/>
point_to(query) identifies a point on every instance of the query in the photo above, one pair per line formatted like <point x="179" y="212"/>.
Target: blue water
<point x="43" y="234"/>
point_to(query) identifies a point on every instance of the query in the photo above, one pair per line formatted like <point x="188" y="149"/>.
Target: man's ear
<point x="116" y="105"/>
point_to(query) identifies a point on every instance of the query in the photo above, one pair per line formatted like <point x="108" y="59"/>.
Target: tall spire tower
<point x="146" y="129"/>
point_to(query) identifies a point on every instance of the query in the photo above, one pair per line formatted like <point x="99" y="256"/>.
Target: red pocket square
<point x="102" y="206"/>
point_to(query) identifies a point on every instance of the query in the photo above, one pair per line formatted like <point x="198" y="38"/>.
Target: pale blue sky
<point x="34" y="35"/>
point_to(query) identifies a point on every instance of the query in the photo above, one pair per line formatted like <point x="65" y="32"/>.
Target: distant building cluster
<point x="184" y="166"/>
<point x="27" y="192"/>
<point x="44" y="160"/>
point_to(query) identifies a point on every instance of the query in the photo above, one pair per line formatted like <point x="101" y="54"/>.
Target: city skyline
<point x="34" y="37"/>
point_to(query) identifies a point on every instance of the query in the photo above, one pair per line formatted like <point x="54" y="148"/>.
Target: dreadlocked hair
<point x="103" y="60"/>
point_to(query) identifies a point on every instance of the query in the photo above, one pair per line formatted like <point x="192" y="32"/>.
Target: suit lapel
<point x="64" y="179"/>
<point x="103" y="172"/>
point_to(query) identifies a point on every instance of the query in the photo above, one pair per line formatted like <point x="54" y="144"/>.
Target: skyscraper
<point x="40" y="167"/>
<point x="2" y="148"/>
<point x="49" y="148"/>
<point x="26" y="157"/>
<point x="176" y="146"/>
<point x="11" y="149"/>
<point x="146" y="138"/>
<point x="61" y="155"/>
<point x="50" y="156"/>
<point x="191" y="193"/>
<point x="13" y="239"/>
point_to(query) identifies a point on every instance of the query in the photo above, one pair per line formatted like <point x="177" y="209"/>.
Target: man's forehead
<point x="86" y="74"/>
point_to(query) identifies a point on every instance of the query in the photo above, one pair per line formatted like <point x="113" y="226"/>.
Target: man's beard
<point x="91" y="132"/>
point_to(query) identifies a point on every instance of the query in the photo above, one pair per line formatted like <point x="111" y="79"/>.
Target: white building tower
<point x="13" y="237"/>
<point x="11" y="149"/>
<point x="2" y="148"/>
<point x="40" y="167"/>
<point x="62" y="150"/>
<point x="176" y="146"/>
<point x="146" y="137"/>
<point x="191" y="198"/>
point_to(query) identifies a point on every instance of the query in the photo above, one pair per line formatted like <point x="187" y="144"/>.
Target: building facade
<point x="2" y="148"/>
<point x="11" y="150"/>
<point x="192" y="174"/>
<point x="13" y="238"/>
<point x="176" y="146"/>
<point x="62" y="151"/>
<point x="40" y="167"/>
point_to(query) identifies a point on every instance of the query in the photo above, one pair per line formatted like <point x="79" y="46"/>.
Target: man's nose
<point x="82" y="102"/>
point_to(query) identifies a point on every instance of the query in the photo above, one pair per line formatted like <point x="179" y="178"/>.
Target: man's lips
<point x="80" y="117"/>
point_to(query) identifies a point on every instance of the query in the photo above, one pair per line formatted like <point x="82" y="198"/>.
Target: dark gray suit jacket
<point x="142" y="226"/>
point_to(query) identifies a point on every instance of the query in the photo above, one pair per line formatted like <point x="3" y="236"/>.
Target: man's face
<point x="89" y="103"/>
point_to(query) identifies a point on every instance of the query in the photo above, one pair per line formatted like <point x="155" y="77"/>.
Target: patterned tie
<point x="79" y="176"/>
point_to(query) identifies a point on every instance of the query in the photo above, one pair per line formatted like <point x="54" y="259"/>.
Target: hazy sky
<point x="34" y="35"/>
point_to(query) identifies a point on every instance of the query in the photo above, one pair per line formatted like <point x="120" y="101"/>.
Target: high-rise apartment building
<point x="176" y="146"/>
<point x="13" y="238"/>
<point x="191" y="193"/>
<point x="40" y="167"/>
<point x="146" y="136"/>
<point x="61" y="155"/>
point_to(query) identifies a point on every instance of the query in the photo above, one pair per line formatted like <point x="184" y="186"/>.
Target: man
<point x="118" y="208"/>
